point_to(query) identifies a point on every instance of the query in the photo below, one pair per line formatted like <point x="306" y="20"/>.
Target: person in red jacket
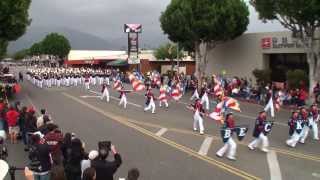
<point x="12" y="119"/>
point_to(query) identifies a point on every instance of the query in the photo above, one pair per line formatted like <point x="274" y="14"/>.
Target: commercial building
<point x="277" y="51"/>
<point x="119" y="59"/>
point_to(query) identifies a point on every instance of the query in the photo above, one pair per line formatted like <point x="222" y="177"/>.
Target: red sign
<point x="266" y="43"/>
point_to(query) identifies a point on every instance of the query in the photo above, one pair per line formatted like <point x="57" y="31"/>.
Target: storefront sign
<point x="133" y="60"/>
<point x="279" y="43"/>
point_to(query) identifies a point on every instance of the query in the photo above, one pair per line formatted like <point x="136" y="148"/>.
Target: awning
<point x="81" y="62"/>
<point x="119" y="62"/>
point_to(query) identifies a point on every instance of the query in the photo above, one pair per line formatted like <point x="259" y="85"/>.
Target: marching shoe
<point x="264" y="150"/>
<point x="251" y="147"/>
<point x="231" y="158"/>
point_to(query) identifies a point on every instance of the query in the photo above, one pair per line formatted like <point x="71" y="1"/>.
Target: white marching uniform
<point x="230" y="145"/>
<point x="197" y="119"/>
<point x="87" y="83"/>
<point x="123" y="99"/>
<point x="105" y="94"/>
<point x="205" y="99"/>
<point x="195" y="95"/>
<point x="151" y="105"/>
<point x="259" y="133"/>
<point x="293" y="140"/>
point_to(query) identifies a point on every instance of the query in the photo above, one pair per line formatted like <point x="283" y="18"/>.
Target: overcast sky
<point x="105" y="18"/>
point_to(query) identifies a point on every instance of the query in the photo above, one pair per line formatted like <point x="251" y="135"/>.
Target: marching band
<point x="300" y="123"/>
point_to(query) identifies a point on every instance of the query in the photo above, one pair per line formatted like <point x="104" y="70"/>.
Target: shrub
<point x="263" y="77"/>
<point x="296" y="78"/>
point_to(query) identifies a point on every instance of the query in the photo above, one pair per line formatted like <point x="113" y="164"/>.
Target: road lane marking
<point x="161" y="131"/>
<point x="205" y="146"/>
<point x="115" y="98"/>
<point x="124" y="121"/>
<point x="297" y="155"/>
<point x="317" y="175"/>
<point x="278" y="150"/>
<point x="274" y="167"/>
<point x="90" y="96"/>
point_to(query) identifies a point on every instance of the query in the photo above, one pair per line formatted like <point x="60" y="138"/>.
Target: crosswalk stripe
<point x="205" y="146"/>
<point x="274" y="167"/>
<point x="161" y="131"/>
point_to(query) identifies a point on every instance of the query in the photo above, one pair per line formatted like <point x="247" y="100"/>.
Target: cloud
<point x="105" y="18"/>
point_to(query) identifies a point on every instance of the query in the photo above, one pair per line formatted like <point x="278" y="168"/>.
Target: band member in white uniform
<point x="87" y="82"/>
<point x="230" y="144"/>
<point x="314" y="115"/>
<point x="305" y="118"/>
<point x="204" y="97"/>
<point x="105" y="92"/>
<point x="123" y="98"/>
<point x="296" y="125"/>
<point x="260" y="133"/>
<point x="197" y="117"/>
<point x="150" y="102"/>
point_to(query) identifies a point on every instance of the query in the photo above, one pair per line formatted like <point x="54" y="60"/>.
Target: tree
<point x="205" y="24"/>
<point x="168" y="51"/>
<point x="36" y="49"/>
<point x="14" y="19"/>
<point x="56" y="44"/>
<point x="20" y="54"/>
<point x="302" y="18"/>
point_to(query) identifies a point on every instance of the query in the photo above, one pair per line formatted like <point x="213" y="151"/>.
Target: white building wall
<point x="241" y="56"/>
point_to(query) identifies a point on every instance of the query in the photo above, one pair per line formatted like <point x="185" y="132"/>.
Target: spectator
<point x="22" y="121"/>
<point x="20" y="77"/>
<point x="40" y="152"/>
<point x="86" y="163"/>
<point x="17" y="106"/>
<point x="133" y="174"/>
<point x="89" y="174"/>
<point x="12" y="118"/>
<point x="30" y="125"/>
<point x="106" y="169"/>
<point x="40" y="121"/>
<point x="73" y="162"/>
<point x="57" y="173"/>
<point x="66" y="147"/>
<point x="302" y="97"/>
<point x="54" y="139"/>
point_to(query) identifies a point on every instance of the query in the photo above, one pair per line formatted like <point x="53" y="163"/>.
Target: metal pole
<point x="178" y="57"/>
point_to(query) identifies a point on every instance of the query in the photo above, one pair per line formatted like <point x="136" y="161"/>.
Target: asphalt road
<point x="163" y="145"/>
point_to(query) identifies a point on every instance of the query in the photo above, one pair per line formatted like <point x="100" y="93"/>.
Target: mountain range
<point x="81" y="40"/>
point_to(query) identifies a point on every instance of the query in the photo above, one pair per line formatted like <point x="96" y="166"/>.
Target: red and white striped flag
<point x="163" y="92"/>
<point x="217" y="112"/>
<point x="176" y="93"/>
<point x="227" y="102"/>
<point x="137" y="85"/>
<point x="117" y="85"/>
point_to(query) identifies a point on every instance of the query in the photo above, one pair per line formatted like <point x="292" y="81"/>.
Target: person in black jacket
<point x="106" y="169"/>
<point x="73" y="160"/>
<point x="30" y="125"/>
<point x="40" y="158"/>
